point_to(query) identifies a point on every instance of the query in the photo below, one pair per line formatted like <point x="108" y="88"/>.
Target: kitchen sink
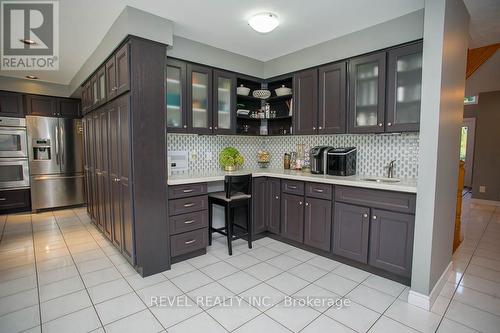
<point x="382" y="180"/>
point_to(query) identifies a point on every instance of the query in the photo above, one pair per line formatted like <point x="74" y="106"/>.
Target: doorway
<point x="467" y="148"/>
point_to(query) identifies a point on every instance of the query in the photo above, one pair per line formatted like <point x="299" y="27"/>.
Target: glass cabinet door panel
<point x="224" y="103"/>
<point x="174" y="97"/>
<point x="408" y="88"/>
<point x="94" y="92"/>
<point x="367" y="94"/>
<point x="102" y="86"/>
<point x="199" y="100"/>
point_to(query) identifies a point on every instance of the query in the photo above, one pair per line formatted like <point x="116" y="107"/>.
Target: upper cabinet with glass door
<point x="199" y="97"/>
<point x="367" y="93"/>
<point x="176" y="96"/>
<point x="404" y="87"/>
<point x="224" y="109"/>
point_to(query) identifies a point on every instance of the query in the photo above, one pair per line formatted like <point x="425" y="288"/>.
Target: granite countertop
<point x="405" y="185"/>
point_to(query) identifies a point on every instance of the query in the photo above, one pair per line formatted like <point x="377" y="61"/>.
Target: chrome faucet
<point x="390" y="169"/>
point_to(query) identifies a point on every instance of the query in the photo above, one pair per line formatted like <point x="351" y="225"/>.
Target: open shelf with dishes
<point x="251" y="117"/>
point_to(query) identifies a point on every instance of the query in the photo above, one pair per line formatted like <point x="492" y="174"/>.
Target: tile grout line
<point x="124" y="278"/>
<point x="461" y="277"/>
<point x="76" y="267"/>
<point x="36" y="274"/>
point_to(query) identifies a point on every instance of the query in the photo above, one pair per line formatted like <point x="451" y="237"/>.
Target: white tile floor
<point x="59" y="274"/>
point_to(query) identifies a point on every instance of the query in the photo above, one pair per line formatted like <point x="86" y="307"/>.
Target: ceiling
<point x="485" y="22"/>
<point x="221" y="23"/>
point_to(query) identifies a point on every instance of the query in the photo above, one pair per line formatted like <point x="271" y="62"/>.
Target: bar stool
<point x="237" y="193"/>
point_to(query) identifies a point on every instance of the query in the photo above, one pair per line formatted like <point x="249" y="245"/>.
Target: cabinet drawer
<point x="393" y="201"/>
<point x="292" y="187"/>
<point x="187" y="205"/>
<point x="188" y="222"/>
<point x="318" y="190"/>
<point x="187" y="190"/>
<point x="15" y="199"/>
<point x="188" y="242"/>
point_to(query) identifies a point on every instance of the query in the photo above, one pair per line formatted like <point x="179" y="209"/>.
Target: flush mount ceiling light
<point x="27" y="41"/>
<point x="32" y="77"/>
<point x="264" y="22"/>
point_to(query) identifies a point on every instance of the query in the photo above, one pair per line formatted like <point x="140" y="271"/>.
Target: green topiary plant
<point x="230" y="159"/>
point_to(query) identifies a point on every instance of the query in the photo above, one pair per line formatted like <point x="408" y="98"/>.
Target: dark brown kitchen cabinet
<point x="15" y="201"/>
<point x="97" y="146"/>
<point x="176" y="96"/>
<point x="114" y="174"/>
<point x="38" y="105"/>
<point x="305" y="106"/>
<point x="351" y="226"/>
<point x="126" y="203"/>
<point x="199" y="97"/>
<point x="94" y="87"/>
<point x="110" y="74"/>
<point x="260" y="198"/>
<point x="11" y="104"/>
<point x="332" y="111"/>
<point x="103" y="172"/>
<point x="69" y="108"/>
<point x="292" y="217"/>
<point x="404" y="86"/>
<point x="367" y="94"/>
<point x="224" y="99"/>
<point x="391" y="241"/>
<point x="122" y="64"/>
<point x="318" y="223"/>
<point x="87" y="97"/>
<point x="87" y="165"/>
<point x="101" y="84"/>
<point x="274" y="203"/>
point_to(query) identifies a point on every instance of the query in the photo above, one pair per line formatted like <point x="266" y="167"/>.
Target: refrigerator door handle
<point x="56" y="177"/>
<point x="61" y="138"/>
<point x="57" y="143"/>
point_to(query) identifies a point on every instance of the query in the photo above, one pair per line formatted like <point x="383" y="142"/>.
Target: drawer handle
<point x="190" y="241"/>
<point x="318" y="190"/>
<point x="3" y="199"/>
<point x="365" y="215"/>
<point x="187" y="191"/>
<point x="374" y="217"/>
<point x="189" y="205"/>
<point x="293" y="187"/>
<point x="188" y="221"/>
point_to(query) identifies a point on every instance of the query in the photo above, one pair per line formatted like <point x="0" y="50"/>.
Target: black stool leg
<point x="229" y="229"/>
<point x="249" y="224"/>
<point x="209" y="222"/>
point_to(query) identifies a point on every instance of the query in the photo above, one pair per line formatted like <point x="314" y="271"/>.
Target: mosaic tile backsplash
<point x="374" y="151"/>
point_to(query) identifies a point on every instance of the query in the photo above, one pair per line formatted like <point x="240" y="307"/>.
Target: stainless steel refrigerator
<point x="55" y="151"/>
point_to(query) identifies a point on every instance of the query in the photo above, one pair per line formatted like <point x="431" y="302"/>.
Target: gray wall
<point x="33" y="86"/>
<point x="443" y="84"/>
<point x="212" y="56"/>
<point x="403" y="29"/>
<point x="487" y="148"/>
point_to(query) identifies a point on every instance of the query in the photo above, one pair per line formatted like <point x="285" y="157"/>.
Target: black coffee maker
<point x="318" y="159"/>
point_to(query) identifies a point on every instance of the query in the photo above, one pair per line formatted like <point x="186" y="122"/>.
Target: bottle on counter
<point x="286" y="161"/>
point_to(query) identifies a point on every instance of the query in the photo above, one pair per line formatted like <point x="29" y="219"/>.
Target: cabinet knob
<point x="307" y="203"/>
<point x="215" y="127"/>
<point x="277" y="197"/>
<point x="300" y="202"/>
<point x="374" y="217"/>
<point x="314" y="128"/>
<point x="210" y="127"/>
<point x="389" y="124"/>
<point x="185" y="126"/>
<point x="380" y="124"/>
<point x="320" y="128"/>
<point x="365" y="215"/>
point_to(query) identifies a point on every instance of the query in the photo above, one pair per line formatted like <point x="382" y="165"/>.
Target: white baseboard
<point x="426" y="301"/>
<point x="485" y="202"/>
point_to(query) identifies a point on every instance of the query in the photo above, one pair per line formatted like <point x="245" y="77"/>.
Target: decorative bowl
<point x="261" y="93"/>
<point x="283" y="91"/>
<point x="242" y="90"/>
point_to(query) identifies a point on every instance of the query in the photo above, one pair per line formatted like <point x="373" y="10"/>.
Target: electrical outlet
<point x="208" y="156"/>
<point x="482" y="189"/>
<point x="194" y="155"/>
